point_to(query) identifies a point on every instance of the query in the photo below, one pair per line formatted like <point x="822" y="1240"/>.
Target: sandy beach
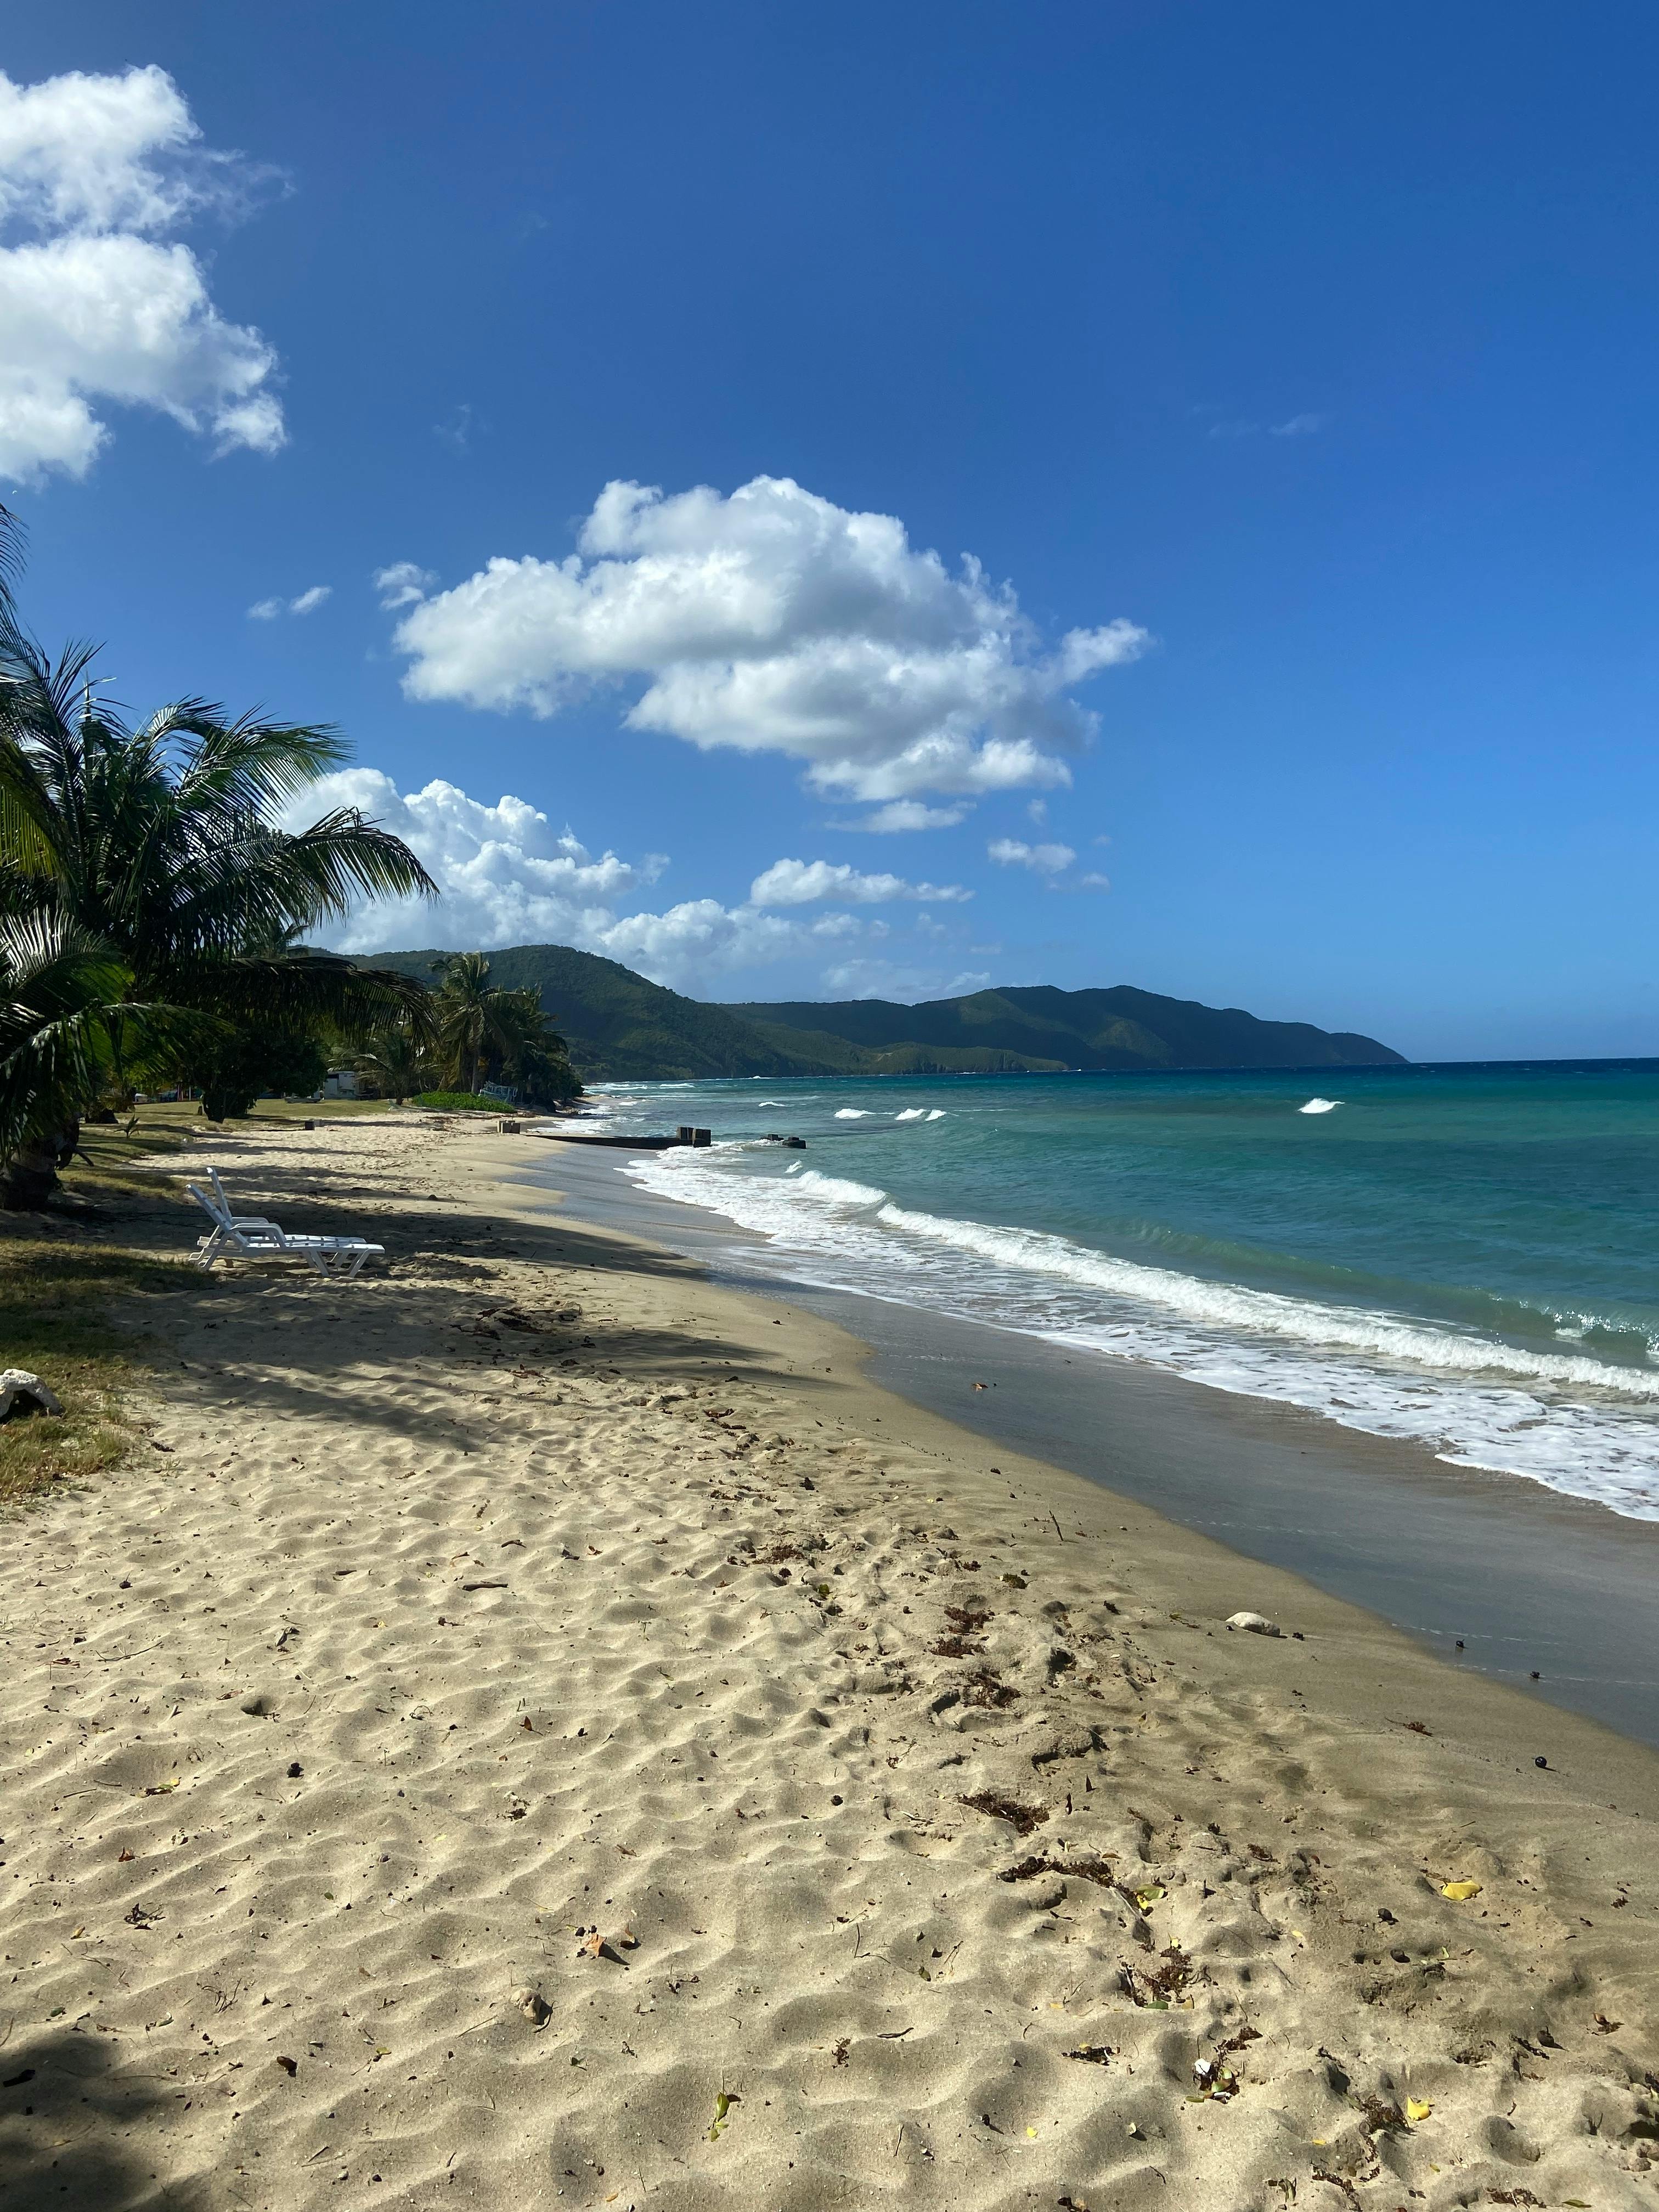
<point x="534" y="1726"/>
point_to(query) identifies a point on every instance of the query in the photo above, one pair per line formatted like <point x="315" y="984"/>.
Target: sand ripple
<point x="427" y="1656"/>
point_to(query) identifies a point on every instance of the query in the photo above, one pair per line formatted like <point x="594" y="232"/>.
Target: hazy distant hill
<point x="620" y="1027"/>
<point x="1121" y="1028"/>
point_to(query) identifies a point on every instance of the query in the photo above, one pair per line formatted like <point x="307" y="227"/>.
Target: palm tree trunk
<point x="30" y="1175"/>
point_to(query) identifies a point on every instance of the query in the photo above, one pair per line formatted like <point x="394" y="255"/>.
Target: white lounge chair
<point x="254" y="1236"/>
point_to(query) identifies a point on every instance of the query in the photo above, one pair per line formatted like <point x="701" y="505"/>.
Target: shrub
<point x="459" y="1102"/>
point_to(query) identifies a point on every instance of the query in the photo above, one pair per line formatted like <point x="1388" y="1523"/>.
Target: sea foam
<point x="1571" y="1421"/>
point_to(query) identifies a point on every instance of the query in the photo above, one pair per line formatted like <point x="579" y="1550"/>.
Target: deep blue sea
<point x="1463" y="1255"/>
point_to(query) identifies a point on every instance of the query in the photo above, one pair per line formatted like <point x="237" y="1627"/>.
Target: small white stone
<point x="1257" y="1622"/>
<point x="17" y="1382"/>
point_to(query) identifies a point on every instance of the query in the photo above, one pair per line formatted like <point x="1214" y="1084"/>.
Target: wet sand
<point x="1526" y="1578"/>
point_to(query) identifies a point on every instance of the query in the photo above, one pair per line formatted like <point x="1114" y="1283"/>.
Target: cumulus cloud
<point x="901" y="814"/>
<point x="1046" y="860"/>
<point x="508" y="877"/>
<point x="95" y="308"/>
<point x="800" y="883"/>
<point x="773" y="620"/>
<point x="306" y="604"/>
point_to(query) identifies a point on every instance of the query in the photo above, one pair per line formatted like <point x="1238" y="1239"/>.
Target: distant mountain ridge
<point x="1119" y="1028"/>
<point x="621" y="1028"/>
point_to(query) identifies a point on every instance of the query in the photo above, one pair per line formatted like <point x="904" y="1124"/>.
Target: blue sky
<point x="1288" y="373"/>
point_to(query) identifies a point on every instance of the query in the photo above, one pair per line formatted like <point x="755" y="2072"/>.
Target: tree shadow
<point x="69" y="2109"/>
<point x="436" y="1303"/>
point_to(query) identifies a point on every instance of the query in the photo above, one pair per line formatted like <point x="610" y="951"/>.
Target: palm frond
<point x="11" y="559"/>
<point x="345" y="857"/>
<point x="27" y="823"/>
<point x="305" y="988"/>
<point x="60" y="994"/>
<point x="254" y="766"/>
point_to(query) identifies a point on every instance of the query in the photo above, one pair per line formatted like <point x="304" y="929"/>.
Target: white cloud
<point x="902" y="814"/>
<point x="773" y="620"/>
<point x="1046" y="860"/>
<point x="508" y="877"/>
<point x="403" y="584"/>
<point x="306" y="604"/>
<point x="1298" y="426"/>
<point x="799" y="883"/>
<point x="1094" y="882"/>
<point x="93" y="308"/>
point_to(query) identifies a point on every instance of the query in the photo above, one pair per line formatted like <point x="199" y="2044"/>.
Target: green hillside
<point x="622" y="1029"/>
<point x="1121" y="1028"/>
<point x="618" y="1026"/>
<point x="834" y="1053"/>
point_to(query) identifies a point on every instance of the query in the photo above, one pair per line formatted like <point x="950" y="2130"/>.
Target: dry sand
<point x="868" y="1815"/>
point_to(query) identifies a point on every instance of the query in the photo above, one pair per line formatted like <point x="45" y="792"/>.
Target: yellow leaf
<point x="1032" y="2133"/>
<point x="1460" y="1892"/>
<point x="1299" y="1936"/>
<point x="1418" y="2108"/>
<point x="1147" y="1898"/>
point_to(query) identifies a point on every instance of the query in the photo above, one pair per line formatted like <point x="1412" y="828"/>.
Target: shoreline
<point x="1527" y="1577"/>
<point x="539" y="1723"/>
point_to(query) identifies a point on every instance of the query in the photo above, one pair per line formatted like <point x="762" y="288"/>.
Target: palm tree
<point x="469" y="1015"/>
<point x="398" y="1058"/>
<point x="68" y="1029"/>
<point x="155" y="847"/>
<point x="161" y="839"/>
<point x="531" y="1053"/>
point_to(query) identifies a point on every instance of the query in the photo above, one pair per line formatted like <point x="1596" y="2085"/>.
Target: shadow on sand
<point x="70" y="2107"/>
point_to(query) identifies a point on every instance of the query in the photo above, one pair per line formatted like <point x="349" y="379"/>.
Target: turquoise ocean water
<point x="1466" y="1256"/>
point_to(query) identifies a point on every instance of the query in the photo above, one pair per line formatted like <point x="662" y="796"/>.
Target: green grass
<point x="57" y="1298"/>
<point x="299" y="1109"/>
<point x="55" y="1304"/>
<point x="59" y="1292"/>
<point x="111" y="1154"/>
